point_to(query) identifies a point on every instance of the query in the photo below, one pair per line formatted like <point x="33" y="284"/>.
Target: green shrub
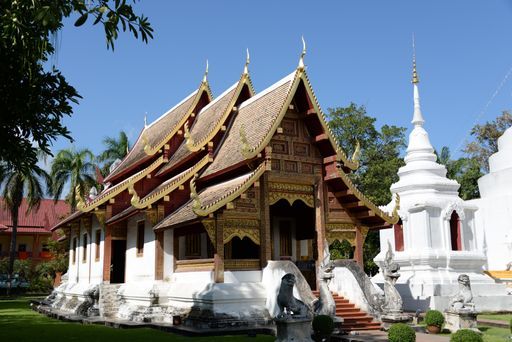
<point x="401" y="332"/>
<point x="510" y="324"/>
<point x="434" y="317"/>
<point x="465" y="335"/>
<point x="323" y="325"/>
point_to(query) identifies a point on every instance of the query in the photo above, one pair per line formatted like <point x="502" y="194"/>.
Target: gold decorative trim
<point x="168" y="188"/>
<point x="204" y="87"/>
<point x="291" y="193"/>
<point x="209" y="227"/>
<point x="334" y="235"/>
<point x="198" y="145"/>
<point x="152" y="215"/>
<point x="274" y="197"/>
<point x="100" y="216"/>
<point x="340" y="226"/>
<point x="120" y="187"/>
<point x="241" y="264"/>
<point x="201" y="210"/>
<point x="251" y="233"/>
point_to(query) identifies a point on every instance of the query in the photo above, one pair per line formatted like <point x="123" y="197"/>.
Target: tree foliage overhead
<point x="486" y="139"/>
<point x="379" y="163"/>
<point x="465" y="171"/>
<point x="75" y="168"/>
<point x="380" y="150"/>
<point x="114" y="149"/>
<point x="34" y="100"/>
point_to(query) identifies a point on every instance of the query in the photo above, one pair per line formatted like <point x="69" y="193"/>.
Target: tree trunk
<point x="12" y="250"/>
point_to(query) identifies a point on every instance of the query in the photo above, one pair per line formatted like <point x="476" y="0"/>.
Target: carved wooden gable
<point x="292" y="148"/>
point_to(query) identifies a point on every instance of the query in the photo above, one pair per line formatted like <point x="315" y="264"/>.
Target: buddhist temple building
<point x="210" y="192"/>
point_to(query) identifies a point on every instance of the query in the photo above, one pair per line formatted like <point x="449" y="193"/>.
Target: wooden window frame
<point x="97" y="245"/>
<point x="74" y="246"/>
<point x="84" y="247"/>
<point x="193" y="245"/>
<point x="141" y="231"/>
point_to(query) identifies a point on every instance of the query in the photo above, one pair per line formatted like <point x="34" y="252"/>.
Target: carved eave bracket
<point x="100" y="216"/>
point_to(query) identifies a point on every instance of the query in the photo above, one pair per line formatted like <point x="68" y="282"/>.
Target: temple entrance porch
<point x="293" y="236"/>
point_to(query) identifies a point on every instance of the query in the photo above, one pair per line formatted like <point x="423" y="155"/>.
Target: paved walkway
<point x="378" y="336"/>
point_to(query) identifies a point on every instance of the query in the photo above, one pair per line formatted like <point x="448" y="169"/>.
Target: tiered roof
<point x="240" y="125"/>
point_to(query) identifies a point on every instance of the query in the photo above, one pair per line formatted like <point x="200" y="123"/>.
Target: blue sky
<point x="358" y="51"/>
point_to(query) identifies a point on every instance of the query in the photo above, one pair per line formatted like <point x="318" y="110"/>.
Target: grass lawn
<point x="498" y="317"/>
<point x="19" y="323"/>
<point x="492" y="334"/>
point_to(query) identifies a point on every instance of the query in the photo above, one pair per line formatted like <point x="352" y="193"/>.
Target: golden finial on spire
<point x="301" y="60"/>
<point x="145" y="119"/>
<point x="415" y="78"/>
<point x="205" y="77"/>
<point x="247" y="61"/>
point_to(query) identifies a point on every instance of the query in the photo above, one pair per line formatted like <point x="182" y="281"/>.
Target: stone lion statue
<point x="463" y="300"/>
<point x="289" y="306"/>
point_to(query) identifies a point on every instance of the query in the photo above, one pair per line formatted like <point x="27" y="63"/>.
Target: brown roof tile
<point x="210" y="196"/>
<point x="257" y="115"/>
<point x="206" y="120"/>
<point x="155" y="132"/>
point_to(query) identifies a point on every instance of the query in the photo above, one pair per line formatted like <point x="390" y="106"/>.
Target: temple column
<point x="319" y="221"/>
<point x="107" y="254"/>
<point x="358" y="253"/>
<point x="218" y="258"/>
<point x="159" y="246"/>
<point x="265" y="241"/>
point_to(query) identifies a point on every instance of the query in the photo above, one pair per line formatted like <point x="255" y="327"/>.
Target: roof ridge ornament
<point x="80" y="204"/>
<point x="245" y="149"/>
<point x="189" y="142"/>
<point x="357" y="153"/>
<point x="301" y="60"/>
<point x="205" y="77"/>
<point x="247" y="61"/>
<point x="395" y="214"/>
<point x="145" y="119"/>
<point x="196" y="202"/>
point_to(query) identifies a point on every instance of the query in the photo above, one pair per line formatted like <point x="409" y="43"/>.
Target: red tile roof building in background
<point x="33" y="227"/>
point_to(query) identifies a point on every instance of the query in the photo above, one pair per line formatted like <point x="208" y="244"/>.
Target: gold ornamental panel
<point x="291" y="193"/>
<point x="341" y="235"/>
<point x="241" y="228"/>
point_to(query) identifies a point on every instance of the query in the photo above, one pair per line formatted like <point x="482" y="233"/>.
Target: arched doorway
<point x="455" y="234"/>
<point x="294" y="236"/>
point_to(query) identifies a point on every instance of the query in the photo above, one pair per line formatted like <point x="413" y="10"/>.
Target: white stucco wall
<point x="140" y="267"/>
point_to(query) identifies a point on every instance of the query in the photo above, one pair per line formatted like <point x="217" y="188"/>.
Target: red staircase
<point x="353" y="318"/>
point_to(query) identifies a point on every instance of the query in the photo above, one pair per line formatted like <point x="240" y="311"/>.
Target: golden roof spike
<point x="205" y="77"/>
<point x="247" y="61"/>
<point x="415" y="78"/>
<point x="301" y="60"/>
<point x="145" y="119"/>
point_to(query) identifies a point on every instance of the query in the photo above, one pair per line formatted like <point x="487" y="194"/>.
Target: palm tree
<point x="16" y="185"/>
<point x="115" y="149"/>
<point x="75" y="168"/>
